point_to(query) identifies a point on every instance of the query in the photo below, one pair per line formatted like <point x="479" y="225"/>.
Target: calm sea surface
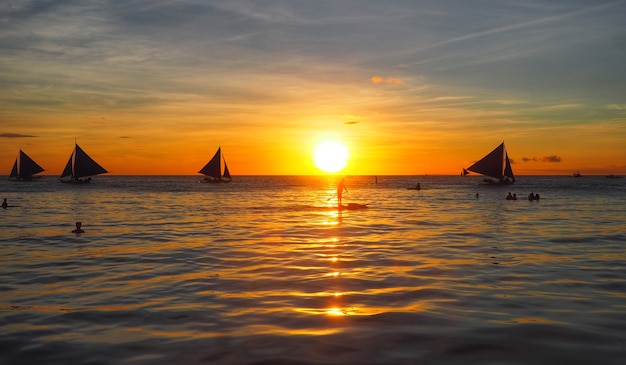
<point x="264" y="271"/>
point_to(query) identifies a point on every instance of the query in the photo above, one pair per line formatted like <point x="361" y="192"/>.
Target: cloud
<point x="616" y="106"/>
<point x="553" y="158"/>
<point x="549" y="159"/>
<point x="564" y="107"/>
<point x="15" y="135"/>
<point x="388" y="80"/>
<point x="351" y="122"/>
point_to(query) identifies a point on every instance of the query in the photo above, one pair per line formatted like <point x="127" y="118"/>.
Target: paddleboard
<point x="353" y="206"/>
<point x="349" y="206"/>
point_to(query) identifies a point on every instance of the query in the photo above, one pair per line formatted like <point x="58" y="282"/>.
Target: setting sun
<point x="330" y="156"/>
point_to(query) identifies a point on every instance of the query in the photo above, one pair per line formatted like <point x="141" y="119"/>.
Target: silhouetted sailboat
<point x="79" y="166"/>
<point x="213" y="169"/>
<point x="25" y="168"/>
<point x="495" y="165"/>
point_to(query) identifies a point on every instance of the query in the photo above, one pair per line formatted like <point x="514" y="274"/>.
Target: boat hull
<point x="78" y="181"/>
<point x="210" y="180"/>
<point x="498" y="183"/>
<point x="30" y="178"/>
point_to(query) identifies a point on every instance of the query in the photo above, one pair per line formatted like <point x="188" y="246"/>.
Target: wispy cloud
<point x="549" y="159"/>
<point x="552" y="158"/>
<point x="563" y="107"/>
<point x="15" y="135"/>
<point x="386" y="80"/>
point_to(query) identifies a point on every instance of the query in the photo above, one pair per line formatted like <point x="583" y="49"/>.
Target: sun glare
<point x="330" y="156"/>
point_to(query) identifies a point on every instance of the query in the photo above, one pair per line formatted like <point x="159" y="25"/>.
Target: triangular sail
<point x="67" y="171"/>
<point x="226" y="172"/>
<point x="14" y="171"/>
<point x="25" y="168"/>
<point x="85" y="165"/>
<point x="28" y="167"/>
<point x="496" y="165"/>
<point x="492" y="164"/>
<point x="212" y="168"/>
<point x="80" y="165"/>
<point x="508" y="171"/>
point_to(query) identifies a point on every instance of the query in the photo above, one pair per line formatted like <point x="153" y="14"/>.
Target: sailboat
<point x="25" y="168"/>
<point x="213" y="169"/>
<point x="79" y="166"/>
<point x="495" y="165"/>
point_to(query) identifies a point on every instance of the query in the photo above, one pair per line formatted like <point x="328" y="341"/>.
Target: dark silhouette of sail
<point x="226" y="172"/>
<point x="85" y="165"/>
<point x="81" y="165"/>
<point x="67" y="171"/>
<point x="213" y="169"/>
<point x="508" y="171"/>
<point x="25" y="168"/>
<point x="496" y="165"/>
<point x="14" y="173"/>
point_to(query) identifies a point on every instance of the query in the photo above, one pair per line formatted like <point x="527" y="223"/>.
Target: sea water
<point x="266" y="270"/>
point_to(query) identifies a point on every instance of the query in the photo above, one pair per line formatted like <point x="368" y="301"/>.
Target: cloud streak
<point x="386" y="80"/>
<point x="548" y="159"/>
<point x="15" y="135"/>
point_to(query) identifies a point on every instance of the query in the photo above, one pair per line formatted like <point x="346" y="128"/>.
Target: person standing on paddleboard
<point x="340" y="188"/>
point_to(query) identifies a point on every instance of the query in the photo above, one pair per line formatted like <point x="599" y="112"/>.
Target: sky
<point x="154" y="87"/>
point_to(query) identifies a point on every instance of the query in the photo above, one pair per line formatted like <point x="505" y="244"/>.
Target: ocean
<point x="265" y="270"/>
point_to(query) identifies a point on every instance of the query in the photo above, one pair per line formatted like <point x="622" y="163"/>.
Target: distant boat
<point x="613" y="176"/>
<point x="495" y="165"/>
<point x="577" y="174"/>
<point x="79" y="166"/>
<point x="213" y="169"/>
<point x="25" y="168"/>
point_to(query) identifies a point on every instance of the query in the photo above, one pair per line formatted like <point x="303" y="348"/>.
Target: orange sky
<point x="409" y="89"/>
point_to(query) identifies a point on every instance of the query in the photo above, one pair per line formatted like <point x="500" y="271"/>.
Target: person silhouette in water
<point x="5" y="205"/>
<point x="78" y="229"/>
<point x="340" y="189"/>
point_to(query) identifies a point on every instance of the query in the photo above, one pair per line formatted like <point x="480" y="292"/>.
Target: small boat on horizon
<point x="576" y="174"/>
<point x="213" y="169"/>
<point x="80" y="166"/>
<point x="25" y="168"/>
<point x="496" y="165"/>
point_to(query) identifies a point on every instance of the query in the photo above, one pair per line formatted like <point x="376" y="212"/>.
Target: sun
<point x="330" y="156"/>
